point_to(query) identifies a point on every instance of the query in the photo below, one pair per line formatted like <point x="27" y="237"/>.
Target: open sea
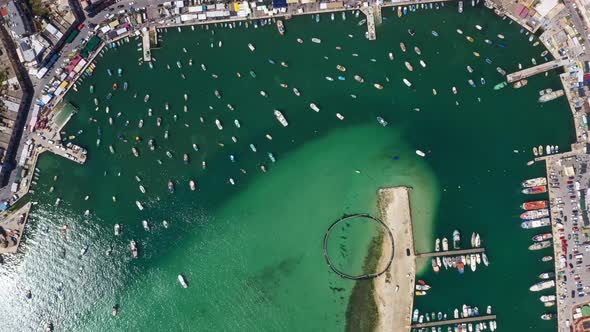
<point x="252" y="252"/>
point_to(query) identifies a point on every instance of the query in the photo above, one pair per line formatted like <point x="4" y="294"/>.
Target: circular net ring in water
<point x="363" y="276"/>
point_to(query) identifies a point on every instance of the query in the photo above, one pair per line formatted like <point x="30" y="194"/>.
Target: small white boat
<point x="251" y="47"/>
<point x="314" y="107"/>
<point x="218" y="124"/>
<point x="117" y="229"/>
<point x="182" y="281"/>
<point x="422" y="63"/>
<point x="139" y="206"/>
<point x="146" y="225"/>
<point x="408" y="83"/>
<point x="316" y="40"/>
<point x="420" y="153"/>
<point x="339" y="116"/>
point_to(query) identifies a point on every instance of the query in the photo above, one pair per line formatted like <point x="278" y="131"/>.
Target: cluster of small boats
<point x="536" y="215"/>
<point x="465" y="311"/>
<point x="458" y="261"/>
<point x="549" y="149"/>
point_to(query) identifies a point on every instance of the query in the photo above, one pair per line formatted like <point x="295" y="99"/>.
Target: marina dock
<point x="538" y="69"/>
<point x="147" y="55"/>
<point x="455" y="321"/>
<point x="451" y="253"/>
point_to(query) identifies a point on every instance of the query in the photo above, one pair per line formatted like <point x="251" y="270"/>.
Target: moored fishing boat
<point x="340" y="116"/>
<point x="296" y="92"/>
<point x="182" y="281"/>
<point x="192" y="185"/>
<point x="146" y="225"/>
<point x="500" y="85"/>
<point x="314" y="107"/>
<point x="546" y="275"/>
<point x="170" y="186"/>
<point x="316" y="40"/>
<point x="133" y="248"/>
<point x="251" y="47"/>
<point x="402" y="46"/>
<point x="520" y="84"/>
<point x="378" y="86"/>
<point x="341" y="68"/>
<point x="420" y="153"/>
<point x="456" y="239"/>
<point x="281" y="118"/>
<point x="542" y="237"/>
<point x="534" y="205"/>
<point x="407" y="83"/>
<point x="359" y="79"/>
<point x="539" y="181"/>
<point x="535" y="223"/>
<point x="409" y="66"/>
<point x="280" y="27"/>
<point x="117" y="229"/>
<point x="534" y="214"/>
<point x="540" y="245"/>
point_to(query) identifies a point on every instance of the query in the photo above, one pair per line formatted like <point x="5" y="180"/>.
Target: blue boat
<point x="252" y="147"/>
<point x="502" y="45"/>
<point x="434" y="33"/>
<point x="405" y="10"/>
<point x="271" y="157"/>
<point x="232" y="158"/>
<point x="341" y="78"/>
<point x="272" y="62"/>
<point x="119" y="72"/>
<point x="195" y="147"/>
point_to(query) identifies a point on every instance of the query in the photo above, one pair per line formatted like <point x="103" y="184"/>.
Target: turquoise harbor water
<point x="252" y="253"/>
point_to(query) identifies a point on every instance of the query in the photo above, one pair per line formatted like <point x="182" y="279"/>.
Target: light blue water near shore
<point x="252" y="253"/>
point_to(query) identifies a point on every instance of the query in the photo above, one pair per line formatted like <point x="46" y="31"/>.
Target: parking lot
<point x="568" y="184"/>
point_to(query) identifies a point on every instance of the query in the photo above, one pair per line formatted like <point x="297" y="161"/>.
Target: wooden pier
<point x="528" y="72"/>
<point x="454" y="321"/>
<point x="451" y="253"/>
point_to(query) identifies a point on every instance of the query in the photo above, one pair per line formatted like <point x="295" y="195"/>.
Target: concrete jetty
<point x="451" y="253"/>
<point x="70" y="151"/>
<point x="12" y="227"/>
<point x="538" y="69"/>
<point x="455" y="321"/>
<point x="394" y="292"/>
<point x="370" y="13"/>
<point x="147" y="54"/>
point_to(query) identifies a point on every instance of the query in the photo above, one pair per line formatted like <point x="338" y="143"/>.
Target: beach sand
<point x="395" y="306"/>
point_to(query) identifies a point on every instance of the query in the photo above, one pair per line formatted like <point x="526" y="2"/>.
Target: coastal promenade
<point x="452" y="322"/>
<point x="538" y="69"/>
<point x="394" y="293"/>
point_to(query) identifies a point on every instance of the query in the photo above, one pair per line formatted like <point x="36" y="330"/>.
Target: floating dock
<point x="538" y="69"/>
<point x="454" y="321"/>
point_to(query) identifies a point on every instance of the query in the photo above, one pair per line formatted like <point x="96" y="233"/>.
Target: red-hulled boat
<point x="115" y="86"/>
<point x="534" y="205"/>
